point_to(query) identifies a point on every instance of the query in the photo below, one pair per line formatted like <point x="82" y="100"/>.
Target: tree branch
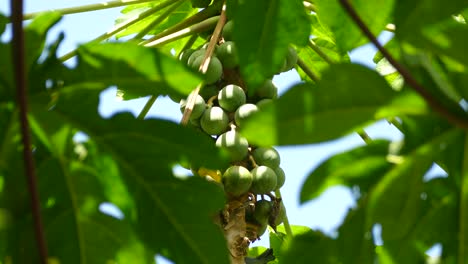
<point x="422" y="91"/>
<point x="18" y="59"/>
<point x="205" y="63"/>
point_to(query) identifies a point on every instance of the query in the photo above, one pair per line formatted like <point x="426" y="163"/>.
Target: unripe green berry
<point x="267" y="156"/>
<point x="198" y="108"/>
<point x="227" y="54"/>
<point x="227" y="30"/>
<point x="262" y="211"/>
<point x="264" y="180"/>
<point x="267" y="90"/>
<point x="280" y="177"/>
<point x="214" y="71"/>
<point x="236" y="146"/>
<point x="231" y="97"/>
<point x="214" y="121"/>
<point x="195" y="54"/>
<point x="264" y="102"/>
<point x="243" y="112"/>
<point x="185" y="55"/>
<point x="237" y="180"/>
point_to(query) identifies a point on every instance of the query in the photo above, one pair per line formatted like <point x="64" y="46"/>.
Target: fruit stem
<point x="87" y="8"/>
<point x="205" y="62"/>
<point x="196" y="18"/>
<point x="159" y="19"/>
<point x="121" y="27"/>
<point x="320" y="52"/>
<point x="147" y="107"/>
<point x="307" y="70"/>
<point x="200" y="27"/>
<point x="287" y="226"/>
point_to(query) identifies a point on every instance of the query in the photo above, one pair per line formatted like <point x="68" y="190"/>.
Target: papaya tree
<point x="216" y="59"/>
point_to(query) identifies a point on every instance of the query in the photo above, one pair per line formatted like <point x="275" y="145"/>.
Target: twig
<point x="123" y="26"/>
<point x="307" y="70"/>
<point x="197" y="28"/>
<point x="18" y="58"/>
<point x="158" y="19"/>
<point x="320" y="52"/>
<point x="210" y="11"/>
<point x="428" y="97"/>
<point x="204" y="65"/>
<point x="87" y="8"/>
<point x="147" y="107"/>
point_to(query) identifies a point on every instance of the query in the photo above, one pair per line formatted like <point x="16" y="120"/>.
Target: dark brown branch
<point x="409" y="79"/>
<point x="18" y="59"/>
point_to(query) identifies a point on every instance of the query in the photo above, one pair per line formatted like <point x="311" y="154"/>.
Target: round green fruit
<point x="237" y="180"/>
<point x="214" y="121"/>
<point x="209" y="91"/>
<point x="236" y="146"/>
<point x="227" y="30"/>
<point x="214" y="71"/>
<point x="264" y="102"/>
<point x="280" y="177"/>
<point x="231" y="97"/>
<point x="281" y="214"/>
<point x="267" y="157"/>
<point x="290" y="60"/>
<point x="267" y="90"/>
<point x="264" y="180"/>
<point x="195" y="55"/>
<point x="243" y="112"/>
<point x="198" y="108"/>
<point x="263" y="209"/>
<point x="227" y="54"/>
<point x="185" y="55"/>
<point x="200" y="3"/>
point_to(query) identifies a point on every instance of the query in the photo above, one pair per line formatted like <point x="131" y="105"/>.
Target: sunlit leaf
<point x="262" y="31"/>
<point x="348" y="97"/>
<point x="375" y="15"/>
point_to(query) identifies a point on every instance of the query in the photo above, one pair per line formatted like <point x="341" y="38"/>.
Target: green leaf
<point x="355" y="243"/>
<point x="131" y="11"/>
<point x="262" y="31"/>
<point x="375" y="15"/>
<point x="177" y="210"/>
<point x="463" y="211"/>
<point x="412" y="16"/>
<point x="135" y="70"/>
<point x="395" y="202"/>
<point x="361" y="166"/>
<point x="315" y="62"/>
<point x="311" y="247"/>
<point x="3" y="22"/>
<point x="35" y="34"/>
<point x="348" y="97"/>
<point x="279" y="240"/>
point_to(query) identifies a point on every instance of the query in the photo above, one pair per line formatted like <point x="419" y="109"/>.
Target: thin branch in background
<point x="159" y="19"/>
<point x="18" y="60"/>
<point x="409" y="79"/>
<point x="320" y="52"/>
<point x="204" y="65"/>
<point x="307" y="70"/>
<point x="87" y="8"/>
<point x="123" y="26"/>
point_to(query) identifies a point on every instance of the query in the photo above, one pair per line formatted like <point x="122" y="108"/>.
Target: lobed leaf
<point x="262" y="32"/>
<point x="348" y="97"/>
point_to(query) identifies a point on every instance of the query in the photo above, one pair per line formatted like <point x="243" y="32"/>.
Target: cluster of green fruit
<point x="221" y="107"/>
